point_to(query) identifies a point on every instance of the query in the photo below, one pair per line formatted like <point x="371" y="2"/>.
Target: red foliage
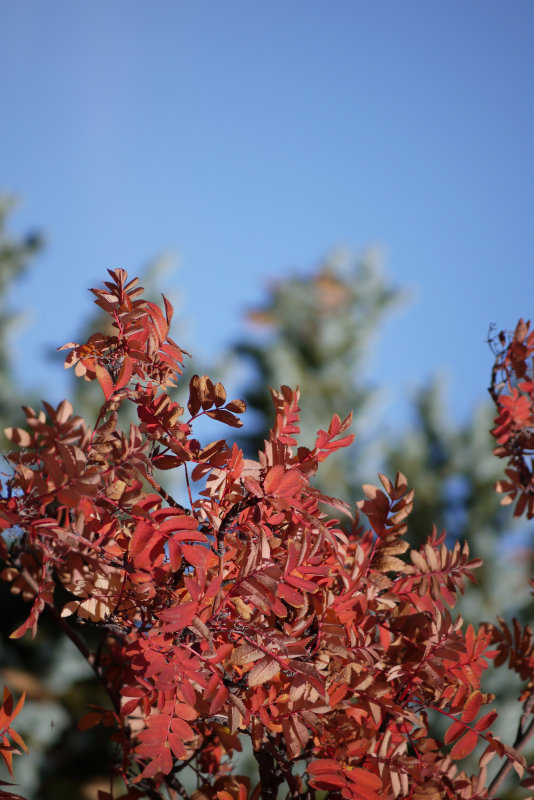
<point x="10" y="740"/>
<point x="249" y="611"/>
<point x="512" y="389"/>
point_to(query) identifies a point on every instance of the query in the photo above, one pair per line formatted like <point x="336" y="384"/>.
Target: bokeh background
<point x="358" y="175"/>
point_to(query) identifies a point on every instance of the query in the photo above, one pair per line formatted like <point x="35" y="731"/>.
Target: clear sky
<point x="250" y="138"/>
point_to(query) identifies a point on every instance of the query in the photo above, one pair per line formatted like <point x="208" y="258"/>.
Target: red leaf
<point x="219" y="699"/>
<point x="472" y="706"/>
<point x="290" y="595"/>
<point x="167" y="462"/>
<point x="223" y="415"/>
<point x="464" y="746"/>
<point x="485" y="721"/>
<point x="263" y="670"/>
<point x="281" y="483"/>
<point x="125" y="373"/>
<point x="179" y="616"/>
<point x="162" y="761"/>
<point x="169" y="310"/>
<point x="454" y="731"/>
<point x="301" y="583"/>
<point x="328" y="774"/>
<point x="104" y="379"/>
<point x="195" y="555"/>
<point x="181" y="728"/>
<point x="91" y="719"/>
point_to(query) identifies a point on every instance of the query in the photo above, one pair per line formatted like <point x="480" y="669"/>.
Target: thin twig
<point x="519" y="744"/>
<point x="166" y="496"/>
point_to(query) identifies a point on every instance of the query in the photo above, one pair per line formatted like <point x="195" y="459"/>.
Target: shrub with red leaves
<point x="249" y="610"/>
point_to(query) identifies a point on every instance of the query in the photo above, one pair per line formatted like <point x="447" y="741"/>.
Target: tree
<point x="16" y="255"/>
<point x="319" y="329"/>
<point x="247" y="611"/>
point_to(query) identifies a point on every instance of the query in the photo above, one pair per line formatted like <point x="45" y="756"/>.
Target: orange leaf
<point x="327" y="774"/>
<point x="323" y="765"/>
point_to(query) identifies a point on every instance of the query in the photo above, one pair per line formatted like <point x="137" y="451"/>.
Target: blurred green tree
<point x="16" y="256"/>
<point x="317" y="332"/>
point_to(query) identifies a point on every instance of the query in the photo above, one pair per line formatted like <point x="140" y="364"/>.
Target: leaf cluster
<point x="512" y="389"/>
<point x="249" y="611"/>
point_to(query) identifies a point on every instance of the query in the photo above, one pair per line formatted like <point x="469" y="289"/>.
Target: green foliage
<point x="16" y="256"/>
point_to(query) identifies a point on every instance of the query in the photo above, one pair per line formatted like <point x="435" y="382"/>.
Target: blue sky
<point x="251" y="138"/>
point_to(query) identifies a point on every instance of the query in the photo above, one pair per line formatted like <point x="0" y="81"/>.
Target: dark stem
<point x="174" y="783"/>
<point x="270" y="776"/>
<point x="166" y="496"/>
<point x="291" y="780"/>
<point x="231" y="516"/>
<point x="519" y="744"/>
